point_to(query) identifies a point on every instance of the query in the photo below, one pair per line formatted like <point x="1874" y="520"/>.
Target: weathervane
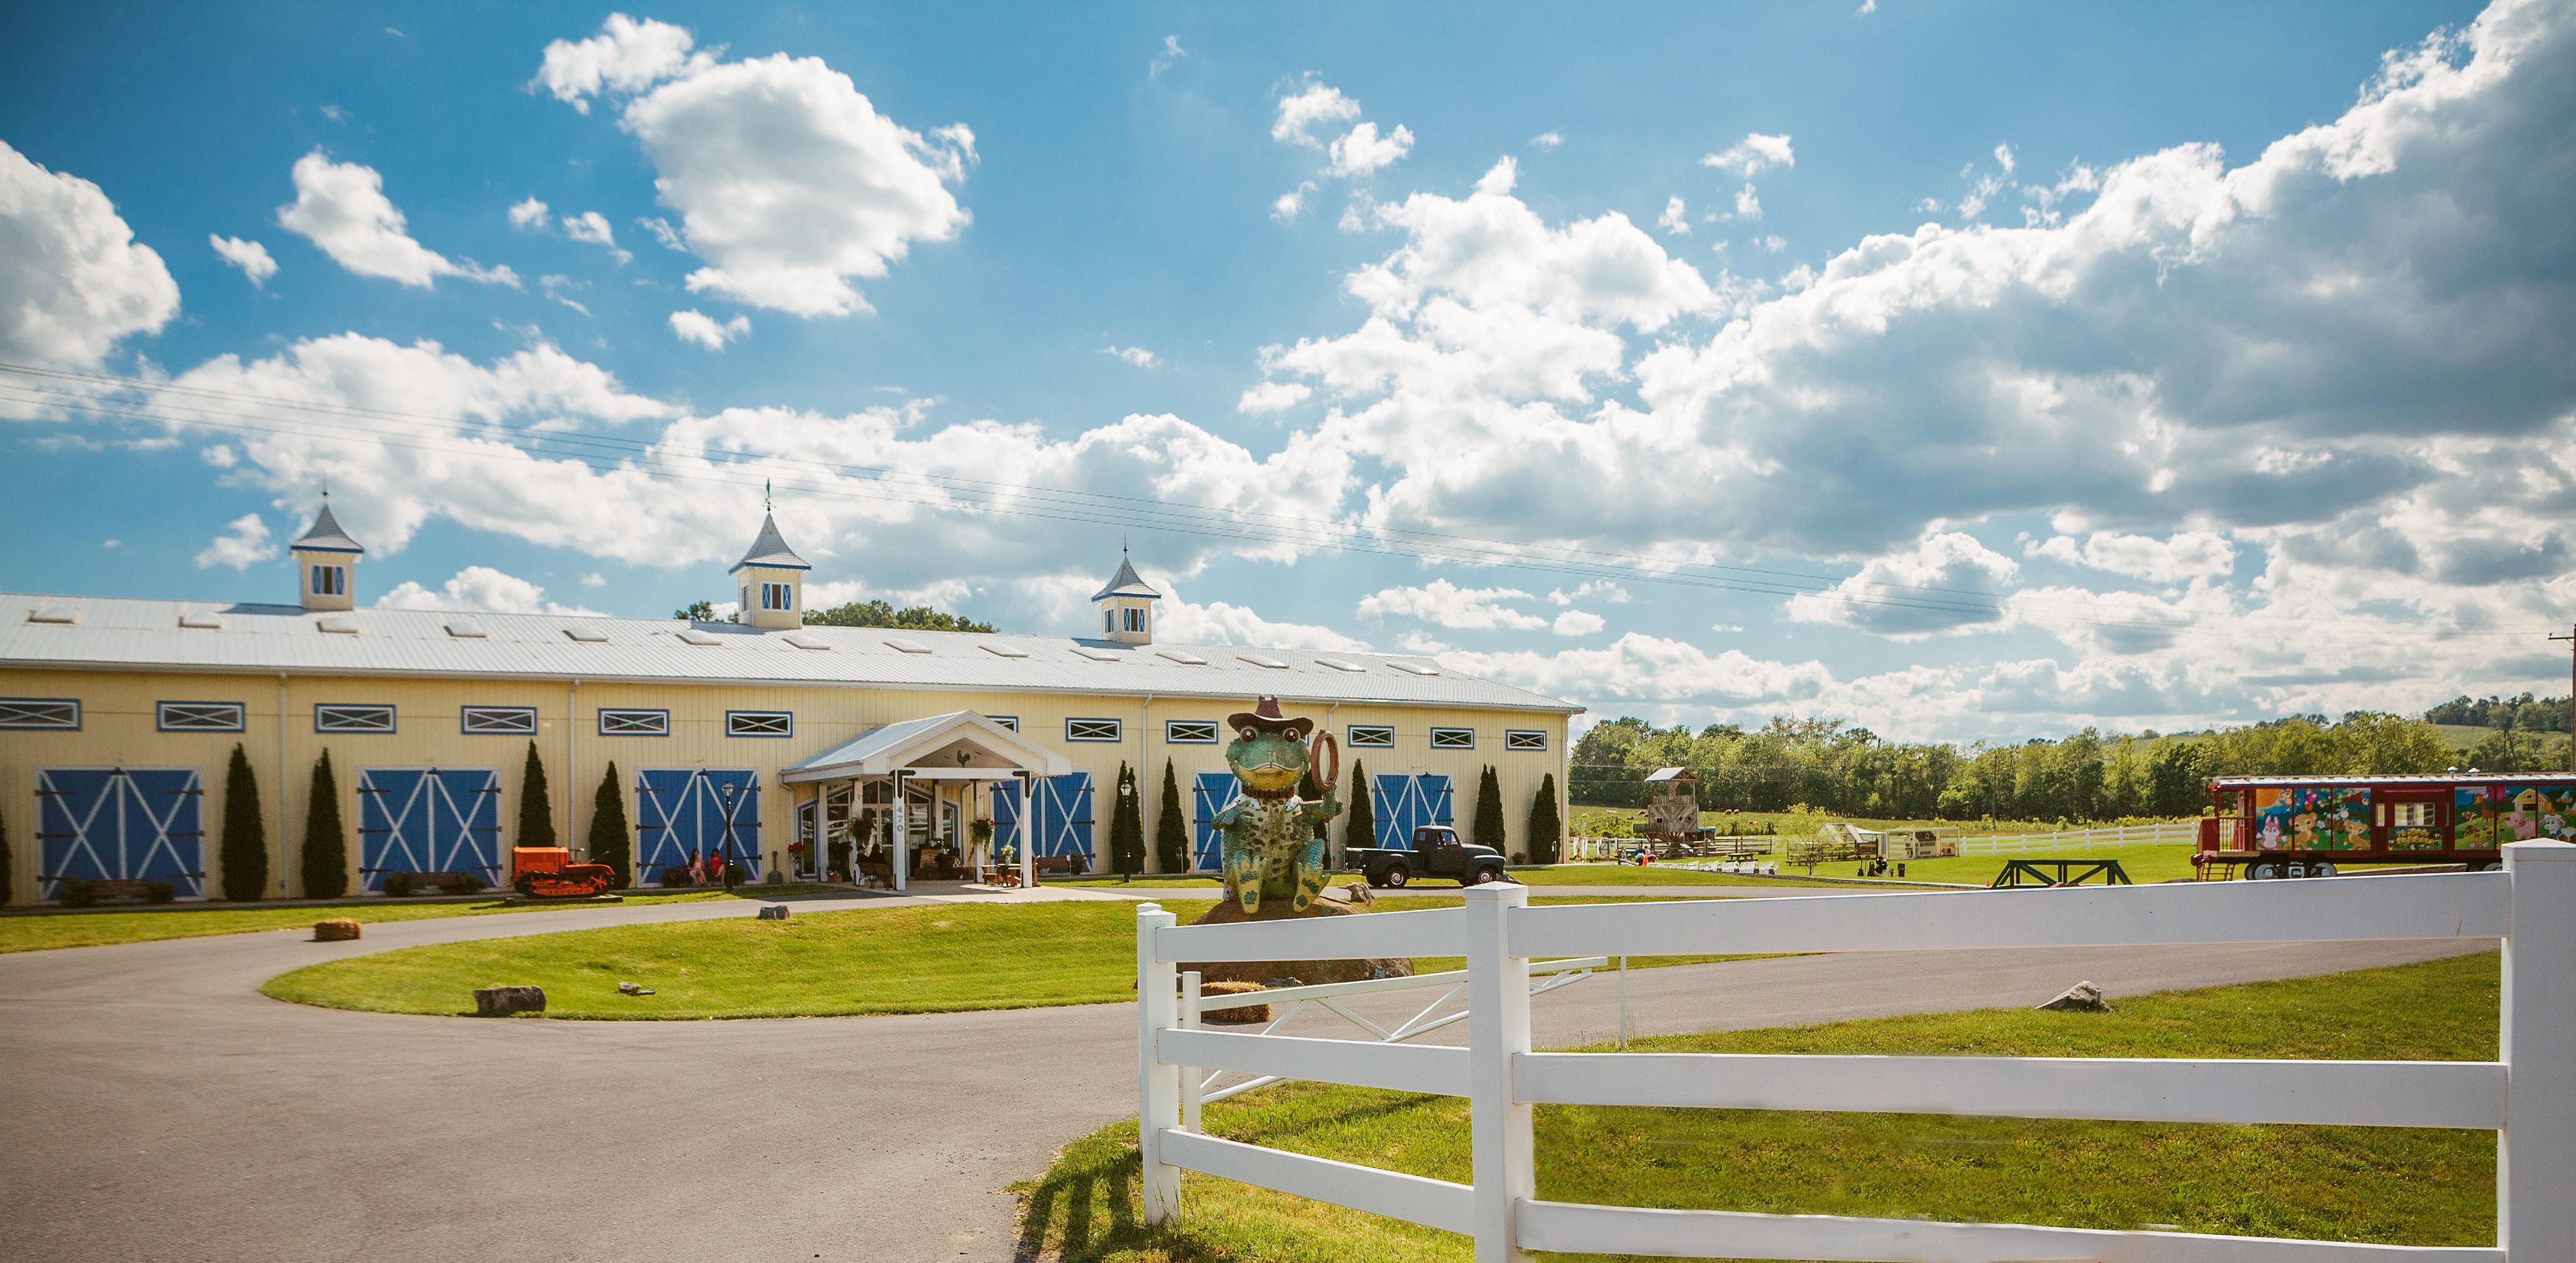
<point x="766" y="505"/>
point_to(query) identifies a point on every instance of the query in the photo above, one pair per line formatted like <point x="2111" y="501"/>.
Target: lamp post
<point x="724" y="848"/>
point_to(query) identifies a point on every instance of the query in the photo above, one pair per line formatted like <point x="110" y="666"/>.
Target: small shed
<point x="1672" y="803"/>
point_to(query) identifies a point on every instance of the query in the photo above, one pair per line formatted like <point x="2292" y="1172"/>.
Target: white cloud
<point x="341" y="208"/>
<point x="1602" y="590"/>
<point x="1273" y="396"/>
<point x="1546" y="140"/>
<point x="73" y="280"/>
<point x="478" y="589"/>
<point x="788" y="181"/>
<point x="626" y="56"/>
<point x="702" y="329"/>
<point x="1747" y="206"/>
<point x="662" y="232"/>
<point x="1577" y="623"/>
<point x="1301" y="111"/>
<point x="1171" y="54"/>
<point x="1752" y="155"/>
<point x="1676" y="217"/>
<point x="1947" y="583"/>
<point x="1287" y="204"/>
<point x="1136" y="355"/>
<point x="2004" y="158"/>
<point x="1448" y="605"/>
<point x="1361" y="151"/>
<point x="2181" y="557"/>
<point x="1866" y="8"/>
<point x="250" y="256"/>
<point x="528" y="216"/>
<point x="244" y="543"/>
<point x="591" y="227"/>
<point x="1219" y="623"/>
<point x="594" y="580"/>
<point x="1774" y="243"/>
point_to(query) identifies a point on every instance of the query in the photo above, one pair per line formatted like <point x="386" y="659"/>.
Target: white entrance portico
<point x="946" y="755"/>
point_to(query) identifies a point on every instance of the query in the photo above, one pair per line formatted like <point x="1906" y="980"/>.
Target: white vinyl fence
<point x="2528" y="1098"/>
<point x="2162" y="832"/>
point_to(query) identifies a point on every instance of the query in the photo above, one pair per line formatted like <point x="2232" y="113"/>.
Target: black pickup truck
<point x="1436" y="852"/>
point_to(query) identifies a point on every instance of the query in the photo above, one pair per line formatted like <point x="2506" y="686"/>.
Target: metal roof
<point x="769" y="548"/>
<point x="325" y="535"/>
<point x="1670" y="774"/>
<point x="117" y="632"/>
<point x="2466" y="776"/>
<point x="885" y="749"/>
<point x="1127" y="583"/>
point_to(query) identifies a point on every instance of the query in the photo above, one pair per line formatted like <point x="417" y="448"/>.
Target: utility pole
<point x="2570" y="638"/>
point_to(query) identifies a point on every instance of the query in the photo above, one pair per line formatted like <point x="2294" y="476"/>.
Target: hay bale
<point x="1250" y="1015"/>
<point x="335" y="930"/>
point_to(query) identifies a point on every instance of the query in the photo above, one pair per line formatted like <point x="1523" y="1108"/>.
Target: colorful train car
<point x="2312" y="826"/>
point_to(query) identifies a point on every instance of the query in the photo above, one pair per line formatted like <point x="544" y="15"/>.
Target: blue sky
<point x="1966" y="371"/>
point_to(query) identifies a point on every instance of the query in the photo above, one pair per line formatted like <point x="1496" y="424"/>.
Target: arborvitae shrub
<point x="1171" y="828"/>
<point x="1546" y="830"/>
<point x="609" y="839"/>
<point x="326" y="842"/>
<point x="245" y="841"/>
<point x="536" y="803"/>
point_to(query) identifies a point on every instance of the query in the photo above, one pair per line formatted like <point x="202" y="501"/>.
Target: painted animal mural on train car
<point x="2312" y="818"/>
<point x="2484" y="817"/>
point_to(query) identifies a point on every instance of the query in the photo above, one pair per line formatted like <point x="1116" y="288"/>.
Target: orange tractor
<point x="547" y="872"/>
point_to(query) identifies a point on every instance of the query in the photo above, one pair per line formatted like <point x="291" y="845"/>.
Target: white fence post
<point x="1158" y="1086"/>
<point x="1498" y="1029"/>
<point x="2534" y="1216"/>
<point x="1193" y="1079"/>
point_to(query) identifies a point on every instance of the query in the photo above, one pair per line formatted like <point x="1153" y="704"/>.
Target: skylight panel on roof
<point x="1097" y="655"/>
<point x="906" y="646"/>
<point x="466" y="629"/>
<point x="1260" y="661"/>
<point x="587" y="635"/>
<point x="803" y="641"/>
<point x="1339" y="665"/>
<point x="1415" y="668"/>
<point x="1006" y="651"/>
<point x="63" y="614"/>
<point x="337" y="624"/>
<point x="203" y="620"/>
<point x="1182" y="656"/>
<point x="695" y="637"/>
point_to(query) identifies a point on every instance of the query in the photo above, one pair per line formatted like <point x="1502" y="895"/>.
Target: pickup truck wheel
<point x="1396" y="877"/>
<point x="1488" y="876"/>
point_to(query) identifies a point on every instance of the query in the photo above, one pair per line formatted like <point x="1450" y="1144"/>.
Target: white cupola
<point x="771" y="580"/>
<point x="325" y="561"/>
<point x="1126" y="606"/>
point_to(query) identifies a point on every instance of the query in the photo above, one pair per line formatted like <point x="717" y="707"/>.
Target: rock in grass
<point x="774" y="912"/>
<point x="633" y="988"/>
<point x="1248" y="1015"/>
<point x="504" y="1001"/>
<point x="2083" y="997"/>
<point x="335" y="930"/>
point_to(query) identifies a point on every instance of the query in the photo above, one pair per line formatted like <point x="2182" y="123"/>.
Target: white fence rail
<point x="2528" y="1097"/>
<point x="2161" y="833"/>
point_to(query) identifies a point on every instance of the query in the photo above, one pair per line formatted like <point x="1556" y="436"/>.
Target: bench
<point x="434" y="883"/>
<point x="1059" y="866"/>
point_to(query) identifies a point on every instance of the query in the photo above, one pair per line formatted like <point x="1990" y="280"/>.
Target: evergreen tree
<point x="1546" y="829"/>
<point x="1360" y="831"/>
<point x="1171" y="829"/>
<point x="536" y="803"/>
<point x="326" y="843"/>
<point x="609" y="834"/>
<point x="1488" y="829"/>
<point x="5" y="887"/>
<point x="1127" y="826"/>
<point x="245" y="842"/>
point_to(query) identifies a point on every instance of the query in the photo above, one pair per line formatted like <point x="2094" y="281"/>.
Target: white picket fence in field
<point x="2528" y="1097"/>
<point x="2162" y="832"/>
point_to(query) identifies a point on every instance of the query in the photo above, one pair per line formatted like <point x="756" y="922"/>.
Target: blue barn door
<point x="121" y="824"/>
<point x="1063" y="824"/>
<point x="680" y="813"/>
<point x="428" y="820"/>
<point x="1210" y="793"/>
<point x="1406" y="803"/>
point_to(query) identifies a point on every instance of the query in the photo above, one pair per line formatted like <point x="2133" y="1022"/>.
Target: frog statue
<point x="1273" y="844"/>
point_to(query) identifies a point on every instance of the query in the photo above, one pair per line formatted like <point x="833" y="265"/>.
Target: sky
<point x="1968" y="372"/>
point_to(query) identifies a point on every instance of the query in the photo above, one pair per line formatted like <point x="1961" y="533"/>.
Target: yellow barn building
<point x="780" y="745"/>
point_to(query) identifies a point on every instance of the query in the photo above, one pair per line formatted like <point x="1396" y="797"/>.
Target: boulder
<point x="2083" y="997"/>
<point x="633" y="988"/>
<point x="335" y="930"/>
<point x="1230" y="912"/>
<point x="504" y="1001"/>
<point x="774" y="912"/>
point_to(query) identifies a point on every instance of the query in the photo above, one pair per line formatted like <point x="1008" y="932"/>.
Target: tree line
<point x="1823" y="764"/>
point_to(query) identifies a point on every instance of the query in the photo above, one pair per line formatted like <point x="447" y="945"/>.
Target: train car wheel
<point x="2266" y="871"/>
<point x="2321" y="869"/>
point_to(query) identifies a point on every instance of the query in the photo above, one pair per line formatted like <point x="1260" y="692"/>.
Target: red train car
<point x="2311" y="826"/>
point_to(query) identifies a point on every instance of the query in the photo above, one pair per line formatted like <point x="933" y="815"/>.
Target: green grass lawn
<point x="1586" y="820"/>
<point x="94" y="929"/>
<point x="946" y="958"/>
<point x="2392" y="1185"/>
<point x="1552" y="875"/>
